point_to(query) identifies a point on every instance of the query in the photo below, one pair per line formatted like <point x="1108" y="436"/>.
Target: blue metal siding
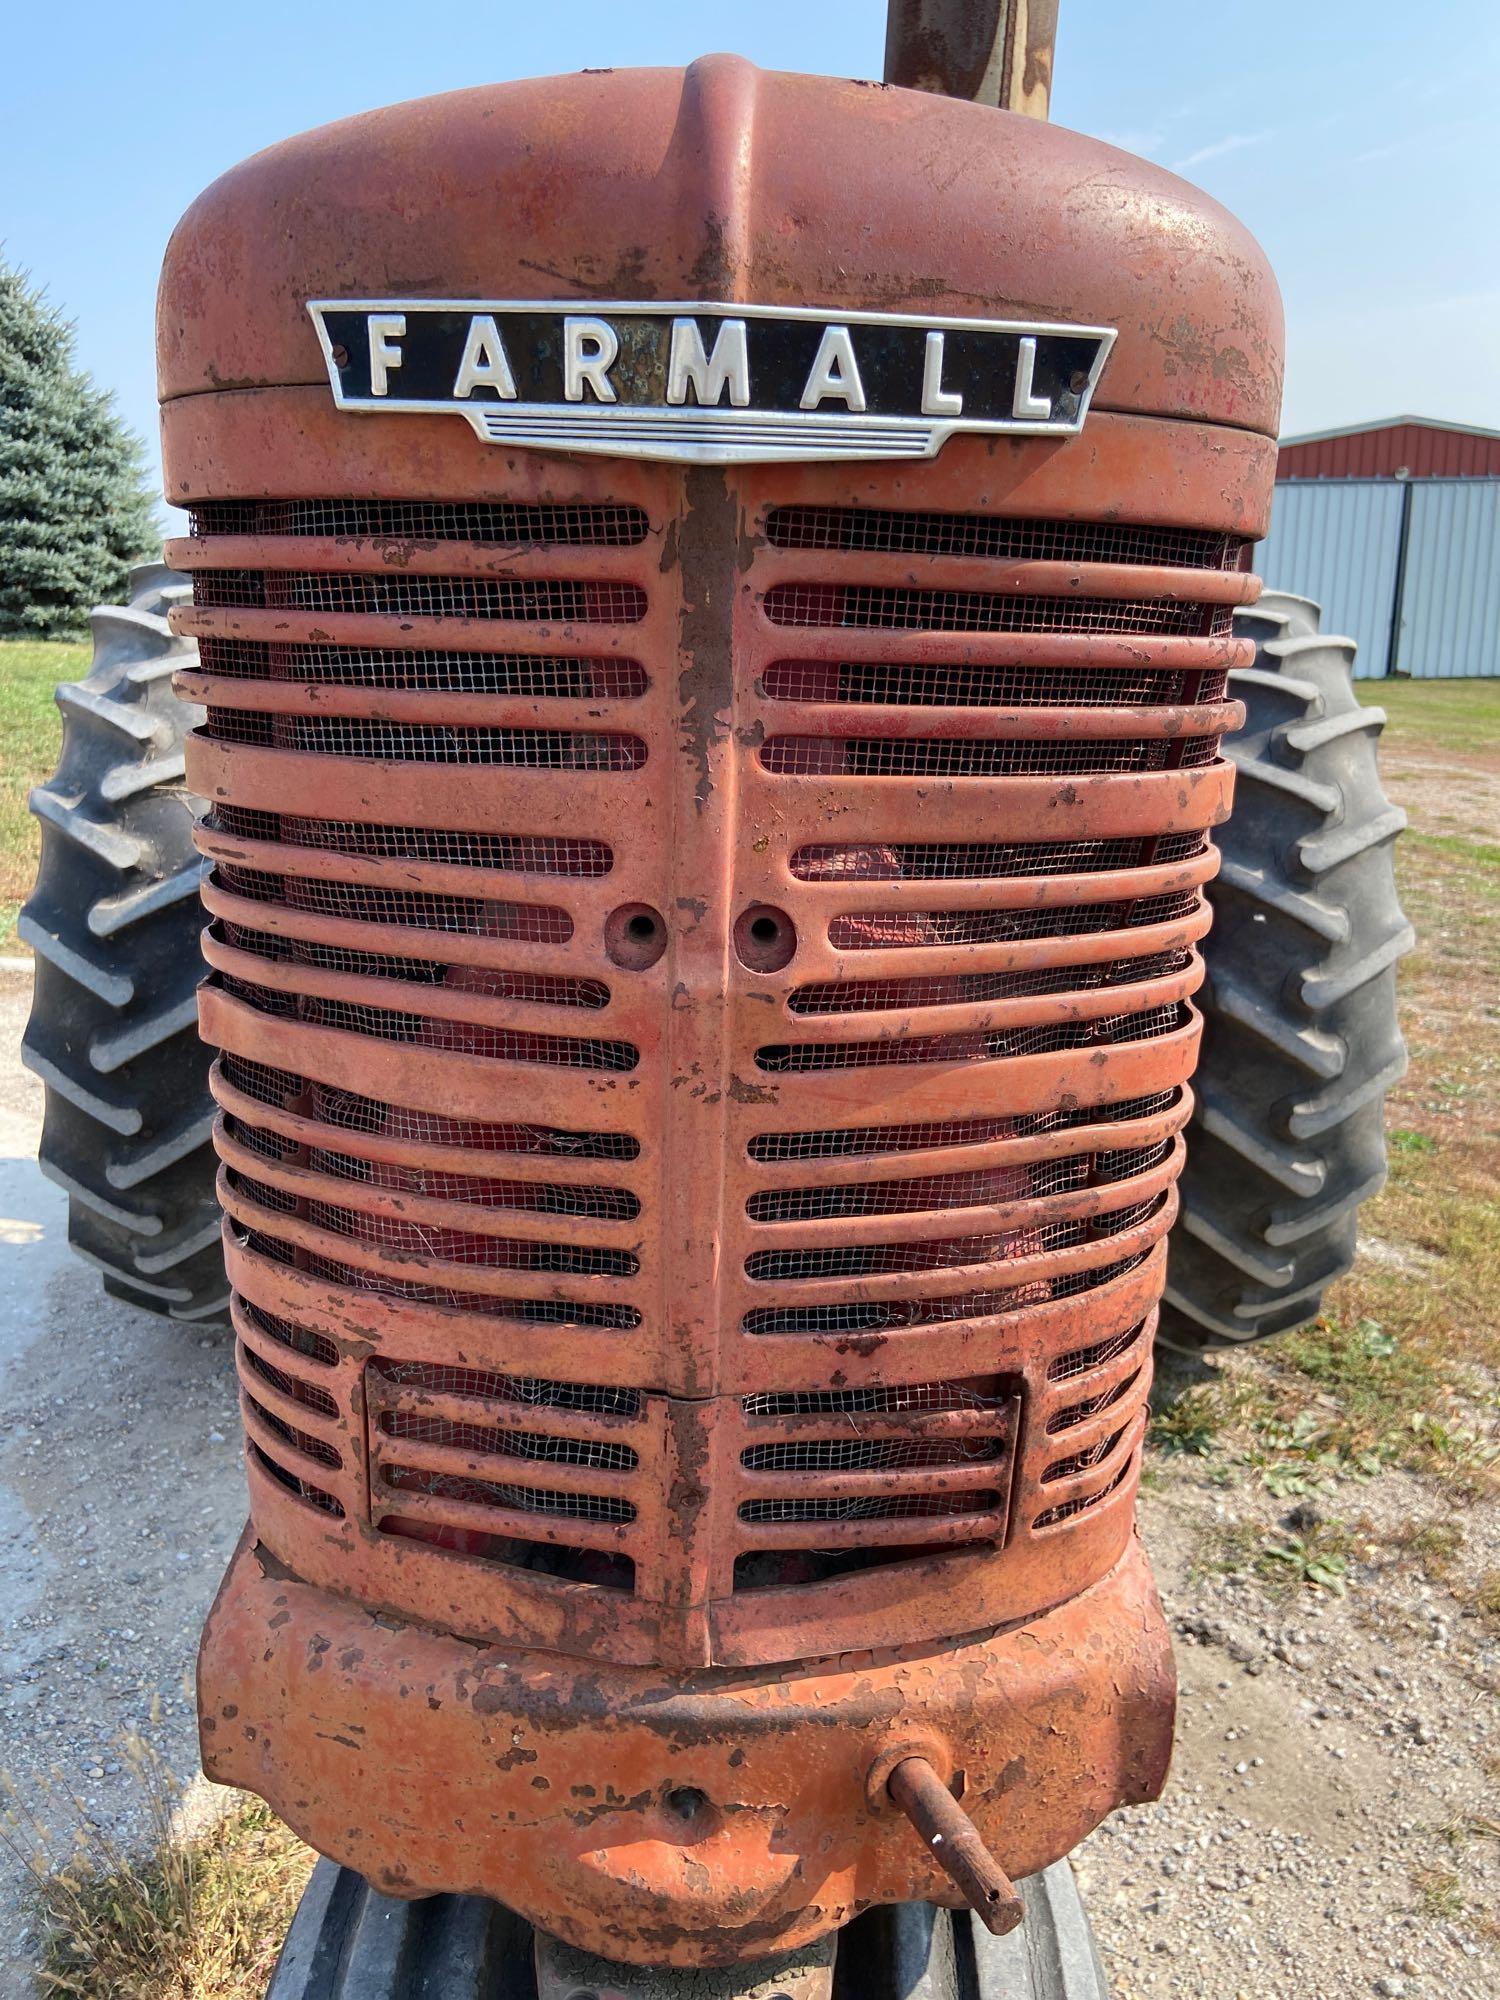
<point x="1338" y="541"/>
<point x="1450" y="603"/>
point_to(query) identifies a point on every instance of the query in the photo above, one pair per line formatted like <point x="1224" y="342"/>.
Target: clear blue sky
<point x="1359" y="139"/>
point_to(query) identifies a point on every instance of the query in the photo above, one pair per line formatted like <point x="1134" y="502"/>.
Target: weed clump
<point x="183" y="1915"/>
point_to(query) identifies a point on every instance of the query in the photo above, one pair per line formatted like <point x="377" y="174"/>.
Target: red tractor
<point x="713" y="656"/>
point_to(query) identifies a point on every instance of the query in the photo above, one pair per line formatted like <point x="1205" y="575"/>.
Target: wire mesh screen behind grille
<point x="983" y="1397"/>
<point x="1067" y="1510"/>
<point x="398" y="1237"/>
<point x="603" y="1204"/>
<point x="922" y="685"/>
<point x="982" y="1045"/>
<point x="893" y="1315"/>
<point x="473" y="1038"/>
<point x="539" y="988"/>
<point x="905" y="609"/>
<point x="309" y="1394"/>
<point x="298" y="1441"/>
<point x="420" y="909"/>
<point x="296" y="1339"/>
<point x="853" y="1140"/>
<point x="442" y="1378"/>
<point x="1081" y="1360"/>
<point x="983" y="1186"/>
<point x="523" y="1312"/>
<point x="304" y="1489"/>
<point x="349" y="1111"/>
<point x="872" y="1507"/>
<point x="524" y="853"/>
<point x="1090" y="1406"/>
<point x="497" y="523"/>
<point x="943" y="1253"/>
<point x="932" y="534"/>
<point x="942" y="861"/>
<point x="887" y="1438"/>
<point x="870" y="930"/>
<point x="520" y="1499"/>
<point x="974" y="757"/>
<point x="484" y="1440"/>
<point x="426" y="743"/>
<point x="539" y="676"/>
<point x="490" y="1432"/>
<point x="522" y="601"/>
<point x="857" y="996"/>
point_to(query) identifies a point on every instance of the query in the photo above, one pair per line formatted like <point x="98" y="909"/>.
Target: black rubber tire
<point x="1301" y="1039"/>
<point x="348" y="1942"/>
<point x="114" y="922"/>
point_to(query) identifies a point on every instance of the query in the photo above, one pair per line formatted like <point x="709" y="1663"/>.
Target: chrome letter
<point x="835" y="372"/>
<point x="688" y="366"/>
<point x="1024" y="403"/>
<point x="589" y="346"/>
<point x="385" y="352"/>
<point x="485" y="363"/>
<point x="936" y="400"/>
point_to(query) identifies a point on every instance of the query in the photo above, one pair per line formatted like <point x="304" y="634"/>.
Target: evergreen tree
<point x="74" y="511"/>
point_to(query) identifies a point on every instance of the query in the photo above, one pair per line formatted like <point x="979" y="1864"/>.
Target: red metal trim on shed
<point x="1425" y="451"/>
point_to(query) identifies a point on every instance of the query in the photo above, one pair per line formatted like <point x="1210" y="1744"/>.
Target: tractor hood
<point x="726" y="183"/>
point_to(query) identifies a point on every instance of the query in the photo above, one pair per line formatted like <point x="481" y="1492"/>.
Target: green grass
<point x="1481" y="857"/>
<point x="1447" y="715"/>
<point x="1401" y="1368"/>
<point x="30" y="733"/>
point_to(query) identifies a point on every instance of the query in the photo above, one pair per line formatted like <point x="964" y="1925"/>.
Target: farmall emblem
<point x="709" y="384"/>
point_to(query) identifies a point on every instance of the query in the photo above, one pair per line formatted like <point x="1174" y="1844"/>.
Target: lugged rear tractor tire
<point x="1301" y="1039"/>
<point x="114" y="922"/>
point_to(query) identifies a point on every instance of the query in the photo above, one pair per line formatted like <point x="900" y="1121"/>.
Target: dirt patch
<point x="1447" y="791"/>
<point x="1330" y="1827"/>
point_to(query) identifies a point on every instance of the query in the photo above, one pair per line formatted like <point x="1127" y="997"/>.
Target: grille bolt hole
<point x="764" y="939"/>
<point x="685" y="1802"/>
<point x="635" y="936"/>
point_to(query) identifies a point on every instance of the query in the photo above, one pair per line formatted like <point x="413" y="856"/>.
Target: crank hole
<point x="764" y="938"/>
<point x="635" y="936"/>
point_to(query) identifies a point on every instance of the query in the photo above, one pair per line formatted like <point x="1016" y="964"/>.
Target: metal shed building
<point x="1395" y="528"/>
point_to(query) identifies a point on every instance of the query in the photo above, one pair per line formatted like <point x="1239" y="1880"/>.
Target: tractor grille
<point x="733" y="1298"/>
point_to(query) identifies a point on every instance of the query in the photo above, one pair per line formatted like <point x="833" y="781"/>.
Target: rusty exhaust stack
<point x="996" y="52"/>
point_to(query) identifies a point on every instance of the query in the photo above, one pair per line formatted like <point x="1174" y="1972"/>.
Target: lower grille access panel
<point x="696" y="1166"/>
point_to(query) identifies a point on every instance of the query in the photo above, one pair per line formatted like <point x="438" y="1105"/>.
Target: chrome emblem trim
<point x="702" y="382"/>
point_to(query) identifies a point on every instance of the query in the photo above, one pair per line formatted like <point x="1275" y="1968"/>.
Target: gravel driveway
<point x="121" y="1495"/>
